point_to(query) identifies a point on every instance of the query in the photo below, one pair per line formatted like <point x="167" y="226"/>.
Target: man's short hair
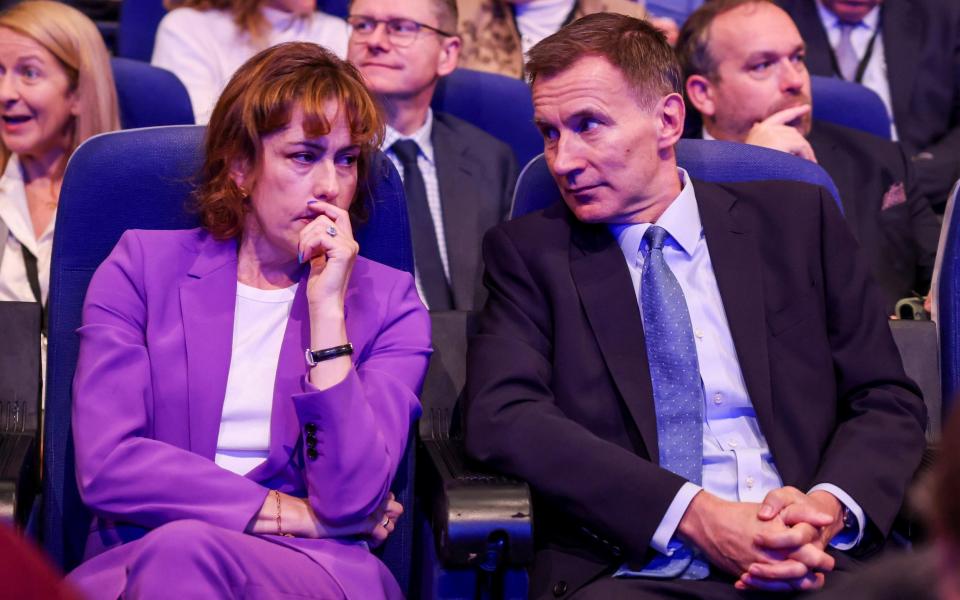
<point x="446" y="12"/>
<point x="692" y="43"/>
<point x="639" y="50"/>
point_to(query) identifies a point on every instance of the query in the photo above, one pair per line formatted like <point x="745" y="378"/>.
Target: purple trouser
<point x="192" y="559"/>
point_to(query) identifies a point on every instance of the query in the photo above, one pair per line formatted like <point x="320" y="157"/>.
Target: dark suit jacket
<point x="476" y="173"/>
<point x="559" y="392"/>
<point x="899" y="242"/>
<point x="921" y="41"/>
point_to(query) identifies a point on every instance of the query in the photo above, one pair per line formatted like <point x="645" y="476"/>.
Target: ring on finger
<point x="331" y="231"/>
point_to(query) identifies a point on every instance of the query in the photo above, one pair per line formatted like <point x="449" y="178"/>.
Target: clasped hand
<point x="778" y="545"/>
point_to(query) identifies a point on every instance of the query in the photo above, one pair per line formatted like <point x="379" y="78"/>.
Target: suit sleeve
<point x="515" y="426"/>
<point x="362" y="422"/>
<point x="122" y="473"/>
<point x="879" y="438"/>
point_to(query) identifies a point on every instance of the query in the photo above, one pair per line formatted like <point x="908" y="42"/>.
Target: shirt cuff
<point x="671" y="519"/>
<point x="848" y="537"/>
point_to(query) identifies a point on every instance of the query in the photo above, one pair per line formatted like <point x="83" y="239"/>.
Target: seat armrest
<point x="18" y="476"/>
<point x="478" y="519"/>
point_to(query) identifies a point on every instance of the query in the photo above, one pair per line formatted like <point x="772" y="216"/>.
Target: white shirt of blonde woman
<point x="260" y="320"/>
<point x="205" y="48"/>
<point x="14" y="284"/>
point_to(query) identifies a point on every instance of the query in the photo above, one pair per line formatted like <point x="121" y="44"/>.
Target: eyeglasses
<point x="401" y="32"/>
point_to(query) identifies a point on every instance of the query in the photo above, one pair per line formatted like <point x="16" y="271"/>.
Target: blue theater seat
<point x="142" y="179"/>
<point x="703" y="159"/>
<point x="849" y="104"/>
<point x="499" y="105"/>
<point x="946" y="290"/>
<point x="149" y="96"/>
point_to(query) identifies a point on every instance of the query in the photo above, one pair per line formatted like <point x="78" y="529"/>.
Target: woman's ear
<point x="239" y="173"/>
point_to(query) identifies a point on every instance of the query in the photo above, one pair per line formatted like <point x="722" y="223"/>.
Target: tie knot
<point x="406" y="151"/>
<point x="655" y="236"/>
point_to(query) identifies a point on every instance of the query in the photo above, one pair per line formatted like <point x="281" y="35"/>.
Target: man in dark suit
<point x="913" y="63"/>
<point x="458" y="180"/>
<point x="756" y="89"/>
<point x="695" y="379"/>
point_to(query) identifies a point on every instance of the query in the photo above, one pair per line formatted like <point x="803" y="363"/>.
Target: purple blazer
<point x="155" y="350"/>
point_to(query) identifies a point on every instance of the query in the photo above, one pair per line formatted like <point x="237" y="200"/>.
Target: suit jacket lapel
<point x="459" y="200"/>
<point x="606" y="292"/>
<point x="208" y="302"/>
<point x="837" y="164"/>
<point x="804" y="12"/>
<point x="737" y="267"/>
<point x="903" y="33"/>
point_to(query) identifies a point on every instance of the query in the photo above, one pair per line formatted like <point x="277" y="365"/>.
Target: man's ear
<point x="449" y="55"/>
<point x="671" y="113"/>
<point x="700" y="92"/>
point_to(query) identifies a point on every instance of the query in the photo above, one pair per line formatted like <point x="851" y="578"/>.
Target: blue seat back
<point x="706" y="160"/>
<point x="947" y="302"/>
<point x="849" y="104"/>
<point x="149" y="96"/>
<point x="137" y="29"/>
<point x="143" y="179"/>
<point x="499" y="105"/>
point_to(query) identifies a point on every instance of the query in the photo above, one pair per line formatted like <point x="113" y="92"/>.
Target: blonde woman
<point x="204" y="42"/>
<point x="56" y="90"/>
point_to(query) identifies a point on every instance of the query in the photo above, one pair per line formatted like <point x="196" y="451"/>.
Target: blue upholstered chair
<point x="149" y="96"/>
<point x="849" y="104"/>
<point x="499" y="105"/>
<point x="142" y="179"/>
<point x="946" y="290"/>
<point x="138" y="28"/>
<point x="706" y="160"/>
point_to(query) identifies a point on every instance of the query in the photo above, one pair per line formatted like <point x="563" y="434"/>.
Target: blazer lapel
<point x="208" y="302"/>
<point x="839" y="167"/>
<point x="737" y="268"/>
<point x="903" y="34"/>
<point x="603" y="282"/>
<point x="804" y="12"/>
<point x="459" y="202"/>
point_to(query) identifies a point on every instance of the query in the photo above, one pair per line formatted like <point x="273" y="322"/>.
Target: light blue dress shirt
<point x="737" y="463"/>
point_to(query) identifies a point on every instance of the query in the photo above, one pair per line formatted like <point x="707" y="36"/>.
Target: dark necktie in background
<point x="426" y="249"/>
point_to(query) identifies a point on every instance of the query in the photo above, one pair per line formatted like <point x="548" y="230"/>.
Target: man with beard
<point x="908" y="52"/>
<point x="756" y="89"/>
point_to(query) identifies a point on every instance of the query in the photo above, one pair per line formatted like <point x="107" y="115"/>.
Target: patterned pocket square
<point x="895" y="196"/>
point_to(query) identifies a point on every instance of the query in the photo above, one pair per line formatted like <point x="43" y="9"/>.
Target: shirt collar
<point x="421" y="136"/>
<point x="871" y="21"/>
<point x="13" y="204"/>
<point x="681" y="220"/>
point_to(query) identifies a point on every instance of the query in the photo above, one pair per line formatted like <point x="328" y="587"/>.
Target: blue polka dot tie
<point x="677" y="391"/>
<point x="672" y="354"/>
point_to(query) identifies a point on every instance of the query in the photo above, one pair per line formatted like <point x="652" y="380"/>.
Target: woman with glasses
<point x="244" y="390"/>
<point x="204" y="41"/>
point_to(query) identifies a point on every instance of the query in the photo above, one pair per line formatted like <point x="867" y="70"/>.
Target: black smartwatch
<point x="315" y="357"/>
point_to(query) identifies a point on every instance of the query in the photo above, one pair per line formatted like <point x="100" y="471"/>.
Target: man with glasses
<point x="458" y="180"/>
